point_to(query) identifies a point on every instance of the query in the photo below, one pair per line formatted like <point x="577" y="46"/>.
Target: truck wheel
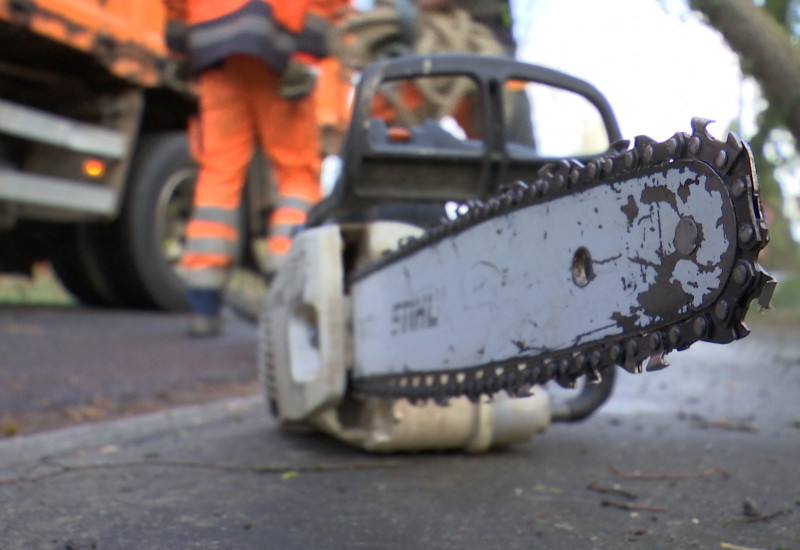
<point x="153" y="220"/>
<point x="78" y="268"/>
<point x="142" y="248"/>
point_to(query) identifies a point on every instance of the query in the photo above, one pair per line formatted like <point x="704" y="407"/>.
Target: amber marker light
<point x="94" y="168"/>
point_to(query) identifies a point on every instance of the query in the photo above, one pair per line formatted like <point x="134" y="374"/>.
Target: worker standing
<point x="253" y="63"/>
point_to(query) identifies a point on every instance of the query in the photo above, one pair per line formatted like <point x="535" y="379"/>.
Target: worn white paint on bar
<point x="505" y="287"/>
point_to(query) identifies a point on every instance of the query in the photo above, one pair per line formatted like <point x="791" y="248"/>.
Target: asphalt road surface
<point x="701" y="455"/>
<point x="62" y="366"/>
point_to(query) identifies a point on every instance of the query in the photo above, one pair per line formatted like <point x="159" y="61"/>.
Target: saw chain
<point x="721" y="320"/>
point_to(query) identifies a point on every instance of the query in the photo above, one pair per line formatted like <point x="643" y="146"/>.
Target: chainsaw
<point x="451" y="276"/>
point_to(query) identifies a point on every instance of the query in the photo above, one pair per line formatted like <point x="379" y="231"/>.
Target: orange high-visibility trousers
<point x="239" y="105"/>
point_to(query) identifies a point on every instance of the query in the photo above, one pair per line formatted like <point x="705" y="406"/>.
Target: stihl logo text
<point x="413" y="315"/>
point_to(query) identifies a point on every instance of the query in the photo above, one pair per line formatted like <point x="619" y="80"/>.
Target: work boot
<point x="206" y="320"/>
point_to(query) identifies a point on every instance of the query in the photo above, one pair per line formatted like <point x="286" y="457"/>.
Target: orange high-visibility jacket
<point x="271" y="30"/>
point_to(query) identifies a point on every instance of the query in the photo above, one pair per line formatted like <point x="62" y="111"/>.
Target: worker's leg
<point x="223" y="141"/>
<point x="288" y="133"/>
<point x="332" y="98"/>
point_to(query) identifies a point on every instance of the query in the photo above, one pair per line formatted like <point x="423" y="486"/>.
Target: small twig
<point x="257" y="469"/>
<point x="754" y="519"/>
<point x="700" y="421"/>
<point x="735" y="547"/>
<point x="637" y="475"/>
<point x="723" y="424"/>
<point x="593" y="486"/>
<point x="629" y="506"/>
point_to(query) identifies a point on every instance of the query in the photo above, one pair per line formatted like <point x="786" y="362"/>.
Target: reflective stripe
<point x="283" y="229"/>
<point x="207" y="278"/>
<point x="217" y="215"/>
<point x="294" y="202"/>
<point x="257" y="25"/>
<point x="199" y="229"/>
<point x="192" y="260"/>
<point x="278" y="245"/>
<point x="211" y="246"/>
<point x="250" y="30"/>
<point x="288" y="215"/>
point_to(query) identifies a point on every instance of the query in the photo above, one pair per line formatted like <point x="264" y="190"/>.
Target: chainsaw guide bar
<point x="614" y="262"/>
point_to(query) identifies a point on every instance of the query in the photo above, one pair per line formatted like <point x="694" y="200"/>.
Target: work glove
<point x="176" y="37"/>
<point x="177" y="75"/>
<point x="298" y="80"/>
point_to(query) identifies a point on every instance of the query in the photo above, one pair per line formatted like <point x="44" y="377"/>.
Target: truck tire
<point x="150" y="229"/>
<point x="77" y="266"/>
<point x="141" y="249"/>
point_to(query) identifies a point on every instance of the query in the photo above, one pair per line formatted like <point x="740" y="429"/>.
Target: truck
<point x="95" y="171"/>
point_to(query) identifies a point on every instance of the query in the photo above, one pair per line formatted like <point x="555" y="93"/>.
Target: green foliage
<point x="777" y="9"/>
<point x="41" y="289"/>
<point x="787" y="293"/>
<point x="782" y="253"/>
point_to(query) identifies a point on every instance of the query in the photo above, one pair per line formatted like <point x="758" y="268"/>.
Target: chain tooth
<point x="598" y="359"/>
<point x="645" y="150"/>
<point x="546" y="371"/>
<point x="701" y="327"/>
<point x="695" y="145"/>
<point x="700" y="126"/>
<point x="673" y="147"/>
<point x="583" y="362"/>
<point x="608" y="167"/>
<point x="740" y="330"/>
<point x="574" y="176"/>
<point x="591" y="171"/>
<point x="544" y="188"/>
<point x="630" y="160"/>
<point x="563" y="376"/>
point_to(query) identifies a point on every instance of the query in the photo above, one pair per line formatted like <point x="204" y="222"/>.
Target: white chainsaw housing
<point x="306" y="353"/>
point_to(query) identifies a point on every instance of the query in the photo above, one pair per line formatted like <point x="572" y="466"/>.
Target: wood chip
<point x="629" y="506"/>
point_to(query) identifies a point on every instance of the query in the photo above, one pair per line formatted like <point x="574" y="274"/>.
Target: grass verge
<point x="43" y="288"/>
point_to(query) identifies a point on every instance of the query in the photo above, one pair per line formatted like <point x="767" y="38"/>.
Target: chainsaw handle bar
<point x="376" y="173"/>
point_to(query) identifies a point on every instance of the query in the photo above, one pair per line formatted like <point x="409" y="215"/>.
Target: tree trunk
<point x="766" y="52"/>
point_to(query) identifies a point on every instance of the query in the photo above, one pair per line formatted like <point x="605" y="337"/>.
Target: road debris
<point x="749" y="509"/>
<point x="629" y="506"/>
<point x="729" y="546"/>
<point x="703" y="423"/>
<point x="9" y="428"/>
<point x="745" y="518"/>
<point x="694" y="475"/>
<point x="613" y="490"/>
<point x="72" y="545"/>
<point x="286" y="471"/>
